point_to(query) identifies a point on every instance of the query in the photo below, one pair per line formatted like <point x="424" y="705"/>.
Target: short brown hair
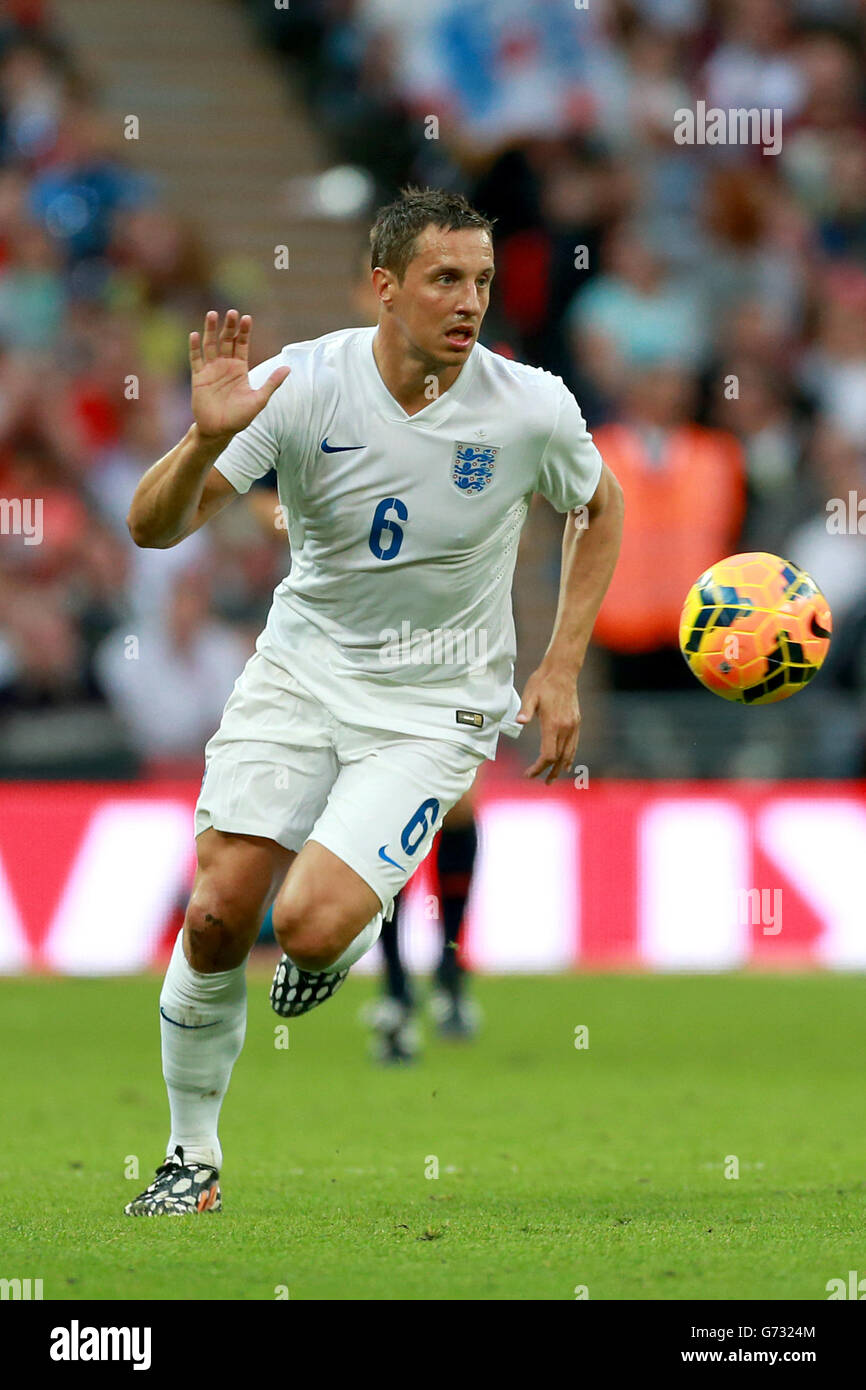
<point x="399" y="224"/>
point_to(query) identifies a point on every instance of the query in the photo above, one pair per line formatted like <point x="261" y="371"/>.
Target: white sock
<point x="202" y="1021"/>
<point x="367" y="937"/>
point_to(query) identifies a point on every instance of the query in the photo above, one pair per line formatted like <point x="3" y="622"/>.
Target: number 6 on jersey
<point x="382" y="522"/>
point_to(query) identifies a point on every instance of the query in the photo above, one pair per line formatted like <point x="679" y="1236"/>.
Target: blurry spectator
<point x="32" y="293"/>
<point x="746" y="332"/>
<point x="13" y="208"/>
<point x="552" y="200"/>
<point x="164" y="281"/>
<point x="31" y="97"/>
<point x="754" y="64"/>
<point x="846" y="666"/>
<point x="49" y="666"/>
<point x="85" y="411"/>
<point x="658" y="85"/>
<point x="836" y="559"/>
<point x="30" y="471"/>
<point x="97" y="583"/>
<point x="17" y="391"/>
<point x="78" y="195"/>
<point x="170" y="679"/>
<point x="741" y="257"/>
<point x="831" y="78"/>
<point x="684" y="489"/>
<point x="633" y="315"/>
<point x="148" y="427"/>
<point x="834" y="368"/>
<point x="842" y="214"/>
<point x="830" y="121"/>
<point x="763" y="418"/>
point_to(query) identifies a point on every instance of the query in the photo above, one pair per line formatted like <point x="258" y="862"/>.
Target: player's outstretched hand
<point x="223" y="402"/>
<point x="552" y="695"/>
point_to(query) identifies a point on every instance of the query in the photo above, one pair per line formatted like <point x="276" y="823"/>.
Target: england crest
<point x="473" y="465"/>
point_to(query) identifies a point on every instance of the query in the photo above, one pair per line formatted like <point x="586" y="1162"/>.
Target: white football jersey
<point x="396" y="613"/>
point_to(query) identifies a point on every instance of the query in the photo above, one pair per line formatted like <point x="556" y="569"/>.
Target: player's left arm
<point x="590" y="546"/>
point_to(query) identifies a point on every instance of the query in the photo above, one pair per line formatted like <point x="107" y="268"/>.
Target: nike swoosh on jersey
<point x="339" y="448"/>
<point x="387" y="858"/>
<point x="188" y="1025"/>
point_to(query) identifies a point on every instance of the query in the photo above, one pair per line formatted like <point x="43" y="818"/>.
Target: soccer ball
<point x="755" y="628"/>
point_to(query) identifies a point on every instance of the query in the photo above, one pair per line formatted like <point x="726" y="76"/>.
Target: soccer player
<point x="406" y="456"/>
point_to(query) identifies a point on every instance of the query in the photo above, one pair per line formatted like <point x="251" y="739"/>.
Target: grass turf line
<point x="558" y="1166"/>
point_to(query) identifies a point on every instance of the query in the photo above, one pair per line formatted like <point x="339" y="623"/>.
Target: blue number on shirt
<point x="382" y="522"/>
<point x="419" y="822"/>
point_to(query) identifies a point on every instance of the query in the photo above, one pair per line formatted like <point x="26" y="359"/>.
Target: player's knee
<point x="313" y="937"/>
<point x="218" y="926"/>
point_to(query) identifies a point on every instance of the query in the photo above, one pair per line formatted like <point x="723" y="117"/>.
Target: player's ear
<point x="383" y="284"/>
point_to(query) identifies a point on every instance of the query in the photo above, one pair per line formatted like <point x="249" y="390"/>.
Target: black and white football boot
<point x="179" y="1189"/>
<point x="295" y="991"/>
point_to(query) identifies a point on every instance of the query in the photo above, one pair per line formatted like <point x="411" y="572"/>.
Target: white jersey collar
<point x="434" y="413"/>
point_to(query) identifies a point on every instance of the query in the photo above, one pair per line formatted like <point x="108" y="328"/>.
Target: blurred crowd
<point x="707" y="304"/>
<point x="112" y="659"/>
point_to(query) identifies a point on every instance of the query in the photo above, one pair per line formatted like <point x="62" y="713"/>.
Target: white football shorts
<point x="283" y="767"/>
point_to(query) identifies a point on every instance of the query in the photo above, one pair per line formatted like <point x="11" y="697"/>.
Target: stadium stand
<point x="618" y="252"/>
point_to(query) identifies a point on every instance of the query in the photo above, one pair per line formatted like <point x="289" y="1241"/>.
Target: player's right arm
<point x="183" y="490"/>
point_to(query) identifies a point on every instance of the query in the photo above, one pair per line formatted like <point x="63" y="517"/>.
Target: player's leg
<point x="378" y="824"/>
<point x="269" y="769"/>
<point x="203" y="1000"/>
<point x="322" y="909"/>
<point x="395" y="976"/>
<point x="202" y="1010"/>
<point x="325" y="917"/>
<point x="456" y="1015"/>
<point x="392" y="1016"/>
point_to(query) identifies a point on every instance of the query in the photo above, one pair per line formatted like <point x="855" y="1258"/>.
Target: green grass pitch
<point x="558" y="1167"/>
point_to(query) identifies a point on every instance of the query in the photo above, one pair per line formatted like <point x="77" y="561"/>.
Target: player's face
<point x="441" y="303"/>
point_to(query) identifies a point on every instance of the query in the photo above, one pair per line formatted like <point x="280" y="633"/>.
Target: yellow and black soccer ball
<point x="755" y="628"/>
